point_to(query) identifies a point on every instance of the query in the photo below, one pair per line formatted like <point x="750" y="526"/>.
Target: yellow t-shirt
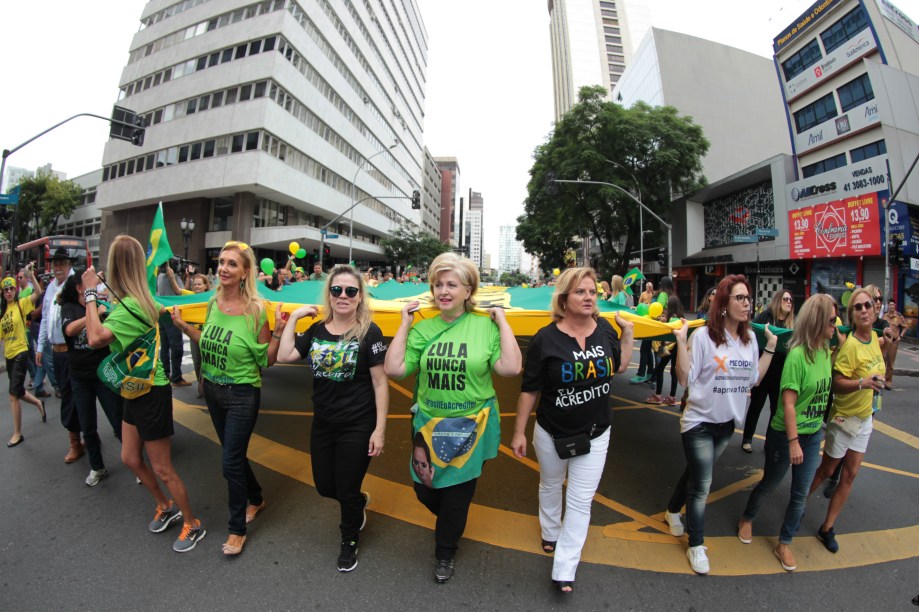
<point x="857" y="359"/>
<point x="12" y="327"/>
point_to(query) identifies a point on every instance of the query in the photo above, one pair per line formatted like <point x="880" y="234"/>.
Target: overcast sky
<point x="489" y="89"/>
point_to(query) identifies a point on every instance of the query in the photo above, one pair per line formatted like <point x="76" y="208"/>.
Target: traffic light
<point x="416" y="200"/>
<point x="895" y="251"/>
<point x="127" y="125"/>
<point x="551" y="185"/>
<point x="6" y="219"/>
<point x="326" y="252"/>
<point x="662" y="257"/>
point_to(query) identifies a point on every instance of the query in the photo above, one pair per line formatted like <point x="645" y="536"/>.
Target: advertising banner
<point x="841" y="228"/>
<point x="854" y="120"/>
<point x="856" y="48"/>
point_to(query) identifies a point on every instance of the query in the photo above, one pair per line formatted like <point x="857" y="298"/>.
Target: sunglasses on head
<point x="336" y="291"/>
<point x="861" y="306"/>
<point x="242" y="246"/>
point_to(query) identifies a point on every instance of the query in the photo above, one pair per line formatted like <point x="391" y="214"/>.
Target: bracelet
<point x="795" y="439"/>
<point x="89" y="298"/>
<point x="765" y="350"/>
<point x="859" y="384"/>
<point x="276" y="336"/>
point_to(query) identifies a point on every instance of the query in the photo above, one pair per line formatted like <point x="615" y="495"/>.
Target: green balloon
<point x="642" y="309"/>
<point x="301" y="253"/>
<point x="267" y="266"/>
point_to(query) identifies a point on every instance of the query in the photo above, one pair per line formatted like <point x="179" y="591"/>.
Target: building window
<point x="815" y="113"/>
<point x="846" y="28"/>
<point x="869" y="150"/>
<point x="855" y="92"/>
<point x="824" y="165"/>
<point x="800" y="61"/>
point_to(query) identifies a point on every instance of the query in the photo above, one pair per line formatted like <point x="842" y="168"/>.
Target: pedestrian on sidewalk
<point x="719" y="364"/>
<point x="345" y="352"/>
<point x="147" y="424"/>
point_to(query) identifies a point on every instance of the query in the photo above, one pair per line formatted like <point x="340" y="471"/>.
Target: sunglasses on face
<point x="787" y="299"/>
<point x="861" y="306"/>
<point x="9" y="288"/>
<point x="741" y="298"/>
<point x="877" y="298"/>
<point x="336" y="291"/>
<point x="832" y="322"/>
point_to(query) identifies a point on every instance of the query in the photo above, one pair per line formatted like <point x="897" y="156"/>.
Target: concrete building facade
<point x="266" y="121"/>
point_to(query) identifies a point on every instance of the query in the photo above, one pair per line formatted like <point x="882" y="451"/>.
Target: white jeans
<point x="584" y="474"/>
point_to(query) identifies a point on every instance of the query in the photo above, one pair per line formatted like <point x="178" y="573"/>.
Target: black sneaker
<point x="828" y="538"/>
<point x="347" y="558"/>
<point x="443" y="570"/>
<point x="830" y="488"/>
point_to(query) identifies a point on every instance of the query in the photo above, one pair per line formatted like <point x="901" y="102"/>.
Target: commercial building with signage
<point x="848" y="74"/>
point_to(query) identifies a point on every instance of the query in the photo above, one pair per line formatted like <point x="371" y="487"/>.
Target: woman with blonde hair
<point x="345" y="352"/>
<point x="858" y="380"/>
<point x="573" y="409"/>
<point x="617" y="295"/>
<point x="235" y="342"/>
<point x="147" y="423"/>
<point x="794" y="434"/>
<point x="780" y="313"/>
<point x="454" y="355"/>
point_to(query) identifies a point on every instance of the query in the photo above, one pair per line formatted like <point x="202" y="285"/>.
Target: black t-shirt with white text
<point x="342" y="386"/>
<point x="573" y="383"/>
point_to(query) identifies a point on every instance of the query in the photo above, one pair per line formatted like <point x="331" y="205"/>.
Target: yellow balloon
<point x="293" y="247"/>
<point x="556" y="272"/>
<point x="524" y="285"/>
<point x="655" y="309"/>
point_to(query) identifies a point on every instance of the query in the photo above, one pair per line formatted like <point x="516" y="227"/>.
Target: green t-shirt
<point x="127" y="328"/>
<point x="812" y="382"/>
<point x="230" y="351"/>
<point x="454" y="373"/>
<point x="13" y="327"/>
<point x="856" y="359"/>
<point x="620" y="299"/>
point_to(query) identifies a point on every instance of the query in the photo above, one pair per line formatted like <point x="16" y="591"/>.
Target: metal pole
<point x="353" y="203"/>
<point x="886" y="209"/>
<point x="641" y="242"/>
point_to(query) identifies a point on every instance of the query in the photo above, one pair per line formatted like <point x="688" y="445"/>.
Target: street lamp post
<point x="641" y="224"/>
<point x="354" y="193"/>
<point x="643" y="207"/>
<point x="188" y="226"/>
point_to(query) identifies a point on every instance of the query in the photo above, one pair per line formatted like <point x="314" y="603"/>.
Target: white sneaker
<point x="95" y="476"/>
<point x="676" y="525"/>
<point x="698" y="560"/>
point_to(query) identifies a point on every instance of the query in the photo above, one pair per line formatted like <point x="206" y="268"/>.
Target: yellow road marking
<point x="897" y="434"/>
<point x="618" y="544"/>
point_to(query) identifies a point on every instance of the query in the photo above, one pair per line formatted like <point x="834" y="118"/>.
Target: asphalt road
<point x="64" y="546"/>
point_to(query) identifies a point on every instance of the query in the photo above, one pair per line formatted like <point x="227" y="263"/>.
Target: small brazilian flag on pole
<point x="158" y="249"/>
<point x="633" y="276"/>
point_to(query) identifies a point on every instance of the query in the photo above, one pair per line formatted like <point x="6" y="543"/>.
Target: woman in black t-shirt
<point x="568" y="368"/>
<point x="345" y="351"/>
<point x="85" y="384"/>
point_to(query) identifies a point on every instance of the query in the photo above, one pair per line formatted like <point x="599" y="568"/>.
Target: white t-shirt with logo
<point x="719" y="379"/>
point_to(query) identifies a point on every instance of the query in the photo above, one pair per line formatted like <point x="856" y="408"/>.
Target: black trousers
<point x="451" y="506"/>
<point x="340" y="461"/>
<point x="768" y="387"/>
<point x="70" y="418"/>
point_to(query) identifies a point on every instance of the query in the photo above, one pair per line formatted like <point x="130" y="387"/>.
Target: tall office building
<point x="592" y="43"/>
<point x="474" y="220"/>
<point x="509" y="249"/>
<point x="266" y="121"/>
<point x="449" y="188"/>
<point x="431" y="196"/>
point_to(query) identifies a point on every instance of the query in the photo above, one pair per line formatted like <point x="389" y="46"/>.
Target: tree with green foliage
<point x="651" y="150"/>
<point x="43" y="201"/>
<point x="412" y="248"/>
<point x="513" y="279"/>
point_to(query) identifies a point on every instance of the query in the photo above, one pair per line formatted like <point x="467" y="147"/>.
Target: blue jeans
<point x="702" y="445"/>
<point x="46" y="368"/>
<point x="171" y="351"/>
<point x="777" y="462"/>
<point x="234" y="410"/>
<point x="85" y="393"/>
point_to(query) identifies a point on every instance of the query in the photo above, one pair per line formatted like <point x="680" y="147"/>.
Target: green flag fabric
<point x="158" y="249"/>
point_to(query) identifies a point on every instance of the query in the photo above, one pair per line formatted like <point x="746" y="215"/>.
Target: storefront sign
<point x="854" y="120"/>
<point x="866" y="176"/>
<point x="899" y="18"/>
<point x="801" y="24"/>
<point x="840" y="228"/>
<point x="840" y="58"/>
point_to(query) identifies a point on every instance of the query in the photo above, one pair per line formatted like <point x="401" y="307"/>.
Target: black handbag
<point x="572" y="446"/>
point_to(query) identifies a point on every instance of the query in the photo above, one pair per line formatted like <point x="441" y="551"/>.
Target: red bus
<point x="41" y="250"/>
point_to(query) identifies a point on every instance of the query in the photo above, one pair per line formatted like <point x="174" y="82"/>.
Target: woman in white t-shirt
<point x="719" y="365"/>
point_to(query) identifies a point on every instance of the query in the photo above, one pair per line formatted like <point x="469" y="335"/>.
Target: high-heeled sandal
<point x="548" y="547"/>
<point x="564" y="586"/>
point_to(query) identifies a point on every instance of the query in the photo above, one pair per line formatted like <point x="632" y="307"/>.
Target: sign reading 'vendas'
<point x="841" y="228"/>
